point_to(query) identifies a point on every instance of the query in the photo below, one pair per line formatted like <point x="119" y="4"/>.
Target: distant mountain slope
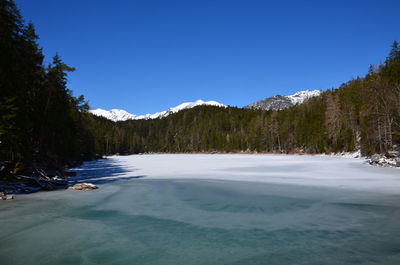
<point x="279" y="102"/>
<point x="114" y="114"/>
<point x="122" y="115"/>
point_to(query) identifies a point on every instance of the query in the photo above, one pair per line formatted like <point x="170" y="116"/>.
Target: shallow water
<point x="189" y="221"/>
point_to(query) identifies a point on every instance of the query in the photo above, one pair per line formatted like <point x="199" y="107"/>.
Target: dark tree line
<point x="41" y="122"/>
<point x="40" y="119"/>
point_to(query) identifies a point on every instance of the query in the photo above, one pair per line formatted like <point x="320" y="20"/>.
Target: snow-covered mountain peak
<point x="122" y="115"/>
<point x="188" y="105"/>
<point x="300" y="96"/>
<point x="279" y="102"/>
<point x="114" y="114"/>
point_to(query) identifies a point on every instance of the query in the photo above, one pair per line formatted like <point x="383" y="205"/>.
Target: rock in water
<point x="83" y="186"/>
<point x="7" y="197"/>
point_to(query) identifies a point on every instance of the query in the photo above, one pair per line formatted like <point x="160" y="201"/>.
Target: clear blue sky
<point x="146" y="56"/>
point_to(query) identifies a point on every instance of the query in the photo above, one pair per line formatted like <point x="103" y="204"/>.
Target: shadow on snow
<point x="101" y="171"/>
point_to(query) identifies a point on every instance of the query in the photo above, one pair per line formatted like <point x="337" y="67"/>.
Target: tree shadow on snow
<point x="102" y="172"/>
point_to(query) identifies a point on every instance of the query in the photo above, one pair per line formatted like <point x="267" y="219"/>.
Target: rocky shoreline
<point x="384" y="160"/>
<point x="36" y="179"/>
<point x="32" y="179"/>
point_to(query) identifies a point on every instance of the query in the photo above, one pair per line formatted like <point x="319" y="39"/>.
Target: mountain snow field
<point x="301" y="96"/>
<point x="279" y="102"/>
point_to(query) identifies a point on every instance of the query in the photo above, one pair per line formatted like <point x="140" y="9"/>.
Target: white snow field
<point x="325" y="171"/>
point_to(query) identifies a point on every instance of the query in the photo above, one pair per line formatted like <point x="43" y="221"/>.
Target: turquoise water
<point x="139" y="221"/>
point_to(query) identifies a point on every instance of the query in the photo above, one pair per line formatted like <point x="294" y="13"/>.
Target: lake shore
<point x="261" y="161"/>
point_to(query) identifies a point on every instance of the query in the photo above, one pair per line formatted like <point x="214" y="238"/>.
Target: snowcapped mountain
<point x="279" y="102"/>
<point x="122" y="115"/>
<point x="301" y="96"/>
<point x="114" y="114"/>
<point x="275" y="103"/>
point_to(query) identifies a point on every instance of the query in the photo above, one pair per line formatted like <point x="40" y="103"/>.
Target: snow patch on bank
<point x="355" y="154"/>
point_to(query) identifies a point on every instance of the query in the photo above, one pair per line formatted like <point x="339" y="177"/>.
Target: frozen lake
<point x="211" y="209"/>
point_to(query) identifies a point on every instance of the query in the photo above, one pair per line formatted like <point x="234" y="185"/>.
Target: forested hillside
<point x="41" y="122"/>
<point x="363" y="114"/>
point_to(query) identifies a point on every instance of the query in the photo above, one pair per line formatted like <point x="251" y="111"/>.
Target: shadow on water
<point x="102" y="172"/>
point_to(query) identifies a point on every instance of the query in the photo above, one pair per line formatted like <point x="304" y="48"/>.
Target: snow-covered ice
<point x="325" y="171"/>
<point x="211" y="209"/>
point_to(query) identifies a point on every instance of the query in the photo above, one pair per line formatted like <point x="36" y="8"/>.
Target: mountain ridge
<point x="122" y="115"/>
<point x="276" y="102"/>
<point x="279" y="102"/>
